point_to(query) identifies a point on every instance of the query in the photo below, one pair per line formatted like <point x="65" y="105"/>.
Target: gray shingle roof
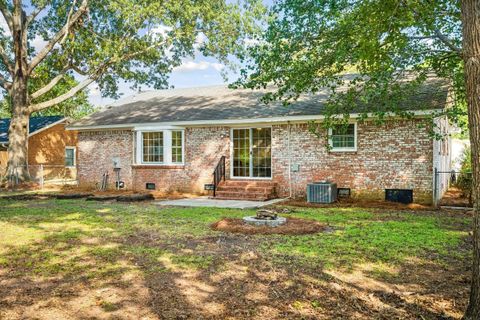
<point x="216" y="103"/>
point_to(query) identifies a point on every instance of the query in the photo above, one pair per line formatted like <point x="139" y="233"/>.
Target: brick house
<point x="51" y="149"/>
<point x="172" y="140"/>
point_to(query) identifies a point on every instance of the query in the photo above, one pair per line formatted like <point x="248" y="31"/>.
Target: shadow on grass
<point x="109" y="263"/>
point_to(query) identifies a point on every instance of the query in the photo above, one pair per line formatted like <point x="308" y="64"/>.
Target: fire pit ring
<point x="256" y="221"/>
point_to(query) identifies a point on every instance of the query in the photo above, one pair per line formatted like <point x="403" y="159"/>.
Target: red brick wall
<point x="203" y="149"/>
<point x="395" y="155"/>
<point x="96" y="150"/>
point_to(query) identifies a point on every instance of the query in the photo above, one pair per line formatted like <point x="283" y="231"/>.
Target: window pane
<point x="343" y="137"/>
<point x="152" y="146"/>
<point x="177" y="156"/>
<point x="69" y="157"/>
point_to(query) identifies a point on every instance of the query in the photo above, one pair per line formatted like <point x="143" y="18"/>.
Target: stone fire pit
<point x="265" y="218"/>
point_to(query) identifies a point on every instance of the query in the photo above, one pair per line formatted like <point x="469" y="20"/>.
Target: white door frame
<point x="251" y="162"/>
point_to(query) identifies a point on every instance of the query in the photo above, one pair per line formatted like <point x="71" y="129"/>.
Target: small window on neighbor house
<point x="69" y="157"/>
<point x="177" y="147"/>
<point x="152" y="147"/>
<point x="343" y="138"/>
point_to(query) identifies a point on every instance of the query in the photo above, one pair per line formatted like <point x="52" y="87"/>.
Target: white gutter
<point x="140" y="126"/>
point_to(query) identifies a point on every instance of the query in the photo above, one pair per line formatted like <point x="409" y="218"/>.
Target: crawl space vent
<point x="399" y="195"/>
<point x="150" y="186"/>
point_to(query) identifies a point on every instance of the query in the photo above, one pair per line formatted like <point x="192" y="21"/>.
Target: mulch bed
<point x="360" y="203"/>
<point x="125" y="197"/>
<point x="293" y="226"/>
<point x="455" y="197"/>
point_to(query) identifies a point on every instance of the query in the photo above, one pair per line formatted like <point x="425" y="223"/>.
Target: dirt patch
<point x="455" y="197"/>
<point x="292" y="226"/>
<point x="359" y="203"/>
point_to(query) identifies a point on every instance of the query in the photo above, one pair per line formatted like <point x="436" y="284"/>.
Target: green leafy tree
<point x="394" y="46"/>
<point x="75" y="107"/>
<point x="105" y="41"/>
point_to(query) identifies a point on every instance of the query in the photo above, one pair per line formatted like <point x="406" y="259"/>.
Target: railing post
<point x="224" y="168"/>
<point x="214" y="182"/>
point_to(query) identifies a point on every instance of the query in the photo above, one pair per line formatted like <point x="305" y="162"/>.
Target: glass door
<point x="252" y="153"/>
<point x="241" y="152"/>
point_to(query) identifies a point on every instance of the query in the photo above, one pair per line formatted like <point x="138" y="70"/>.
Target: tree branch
<point x="447" y="41"/>
<point x="7" y="15"/>
<point x="33" y="15"/>
<point x="6" y="60"/>
<point x="78" y="70"/>
<point x="49" y="86"/>
<point x="59" y="36"/>
<point x="93" y="77"/>
<point x="5" y="84"/>
<point x="70" y="93"/>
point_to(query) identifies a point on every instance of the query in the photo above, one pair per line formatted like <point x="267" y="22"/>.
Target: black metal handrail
<point x="218" y="174"/>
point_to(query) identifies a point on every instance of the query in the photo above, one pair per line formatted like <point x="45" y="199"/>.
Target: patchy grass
<point x="365" y="237"/>
<point x="139" y="260"/>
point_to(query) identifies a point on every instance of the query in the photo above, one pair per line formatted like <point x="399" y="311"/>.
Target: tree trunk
<point x="471" y="57"/>
<point x="18" y="147"/>
<point x="18" y="135"/>
<point x="18" y="131"/>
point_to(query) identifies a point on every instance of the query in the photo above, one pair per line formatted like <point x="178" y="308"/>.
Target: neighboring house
<point x="172" y="140"/>
<point x="51" y="149"/>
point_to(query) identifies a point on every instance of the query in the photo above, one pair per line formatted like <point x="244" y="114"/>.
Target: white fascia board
<point x="223" y="122"/>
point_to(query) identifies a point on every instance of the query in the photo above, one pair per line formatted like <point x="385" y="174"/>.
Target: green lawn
<point x="80" y="259"/>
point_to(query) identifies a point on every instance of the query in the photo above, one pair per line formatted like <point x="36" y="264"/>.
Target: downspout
<point x="133" y="172"/>
<point x="289" y="161"/>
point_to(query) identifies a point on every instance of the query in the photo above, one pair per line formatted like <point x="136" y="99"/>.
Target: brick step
<point x="269" y="189"/>
<point x="244" y="183"/>
<point x="242" y="195"/>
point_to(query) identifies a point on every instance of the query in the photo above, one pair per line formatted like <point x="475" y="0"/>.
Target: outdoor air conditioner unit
<point x="322" y="192"/>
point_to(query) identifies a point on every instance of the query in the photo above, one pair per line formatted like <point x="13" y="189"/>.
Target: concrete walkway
<point x="206" y="202"/>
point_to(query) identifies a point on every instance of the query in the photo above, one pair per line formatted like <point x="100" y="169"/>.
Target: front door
<point x="252" y="153"/>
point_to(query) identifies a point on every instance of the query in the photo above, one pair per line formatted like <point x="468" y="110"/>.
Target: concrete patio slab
<point x="207" y="202"/>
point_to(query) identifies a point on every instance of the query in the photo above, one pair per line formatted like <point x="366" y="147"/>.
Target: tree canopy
<point x="106" y="41"/>
<point x="393" y="46"/>
<point x="312" y="44"/>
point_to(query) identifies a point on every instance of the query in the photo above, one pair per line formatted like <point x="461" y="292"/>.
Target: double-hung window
<point x="70" y="157"/>
<point x="152" y="147"/>
<point x="163" y="147"/>
<point x="343" y="137"/>
<point x="177" y="146"/>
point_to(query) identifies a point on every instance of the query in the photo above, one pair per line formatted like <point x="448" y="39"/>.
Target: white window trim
<point x="231" y="156"/>
<point x="354" y="149"/>
<point x="167" y="148"/>
<point x="74" y="156"/>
